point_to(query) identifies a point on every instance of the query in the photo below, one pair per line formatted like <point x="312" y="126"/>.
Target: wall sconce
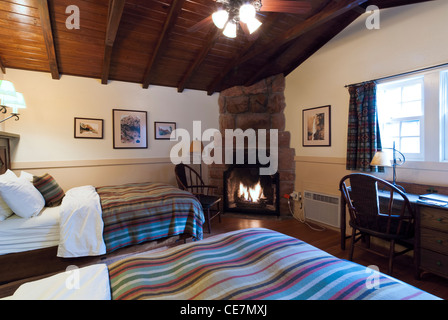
<point x="9" y="98"/>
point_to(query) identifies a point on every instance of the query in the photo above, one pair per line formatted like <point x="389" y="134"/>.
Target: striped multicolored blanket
<point x="251" y="264"/>
<point x="139" y="212"/>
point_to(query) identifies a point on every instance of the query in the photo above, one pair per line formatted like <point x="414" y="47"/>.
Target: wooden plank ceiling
<point x="149" y="41"/>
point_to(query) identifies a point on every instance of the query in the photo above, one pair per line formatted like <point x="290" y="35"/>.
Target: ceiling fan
<point x="230" y="13"/>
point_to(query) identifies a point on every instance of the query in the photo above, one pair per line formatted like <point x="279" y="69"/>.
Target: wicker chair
<point x="392" y="221"/>
<point x="188" y="179"/>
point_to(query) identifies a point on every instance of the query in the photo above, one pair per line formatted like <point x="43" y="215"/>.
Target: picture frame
<point x="88" y="128"/>
<point x="163" y="130"/>
<point x="130" y="129"/>
<point x="316" y="123"/>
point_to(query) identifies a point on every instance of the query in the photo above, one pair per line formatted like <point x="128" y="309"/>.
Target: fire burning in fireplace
<point x="246" y="191"/>
<point x="250" y="194"/>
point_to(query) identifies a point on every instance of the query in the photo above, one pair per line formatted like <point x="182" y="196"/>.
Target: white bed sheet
<point x="87" y="283"/>
<point x="18" y="234"/>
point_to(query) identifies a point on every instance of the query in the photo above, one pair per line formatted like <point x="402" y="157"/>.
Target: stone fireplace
<point x="259" y="106"/>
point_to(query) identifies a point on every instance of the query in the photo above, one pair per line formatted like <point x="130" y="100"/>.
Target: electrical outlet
<point x="295" y="195"/>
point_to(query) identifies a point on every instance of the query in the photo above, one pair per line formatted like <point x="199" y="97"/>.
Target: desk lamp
<point x="382" y="159"/>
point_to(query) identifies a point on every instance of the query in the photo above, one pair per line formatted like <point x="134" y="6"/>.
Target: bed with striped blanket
<point x="140" y="212"/>
<point x="251" y="264"/>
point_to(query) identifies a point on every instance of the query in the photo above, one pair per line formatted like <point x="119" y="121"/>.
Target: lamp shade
<point x="247" y="12"/>
<point x="220" y="18"/>
<point x="230" y="30"/>
<point x="253" y="24"/>
<point x="17" y="102"/>
<point x="381" y="159"/>
<point x="196" y="146"/>
<point x="7" y="90"/>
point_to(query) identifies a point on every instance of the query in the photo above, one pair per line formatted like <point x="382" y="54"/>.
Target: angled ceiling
<point x="150" y="41"/>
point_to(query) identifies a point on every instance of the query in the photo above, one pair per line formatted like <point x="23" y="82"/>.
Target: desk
<point x="431" y="234"/>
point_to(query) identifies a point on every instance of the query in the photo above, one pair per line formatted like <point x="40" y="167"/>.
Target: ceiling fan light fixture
<point x="253" y="25"/>
<point x="230" y="30"/>
<point x="220" y="18"/>
<point x="247" y="12"/>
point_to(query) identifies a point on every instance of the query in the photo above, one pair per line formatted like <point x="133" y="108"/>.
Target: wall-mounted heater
<point x="322" y="208"/>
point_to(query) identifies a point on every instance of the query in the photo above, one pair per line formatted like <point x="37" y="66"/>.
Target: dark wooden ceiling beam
<point x="44" y="14"/>
<point x="2" y="66"/>
<point x="209" y="43"/>
<point x="162" y="43"/>
<point x="330" y="12"/>
<point x="116" y="8"/>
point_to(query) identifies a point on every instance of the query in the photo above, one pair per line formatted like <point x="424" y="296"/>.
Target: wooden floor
<point x="329" y="241"/>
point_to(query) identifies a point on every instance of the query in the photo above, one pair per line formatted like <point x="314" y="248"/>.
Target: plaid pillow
<point x="50" y="190"/>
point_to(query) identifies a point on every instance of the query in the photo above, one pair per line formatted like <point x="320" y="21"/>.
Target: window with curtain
<point x="363" y="139"/>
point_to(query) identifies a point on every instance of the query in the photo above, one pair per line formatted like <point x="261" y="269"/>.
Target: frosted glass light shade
<point x="220" y="18"/>
<point x="7" y="90"/>
<point x="247" y="12"/>
<point x="253" y="24"/>
<point x="17" y="102"/>
<point x="230" y="30"/>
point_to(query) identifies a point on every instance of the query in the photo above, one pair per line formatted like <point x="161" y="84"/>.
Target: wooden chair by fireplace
<point x="189" y="179"/>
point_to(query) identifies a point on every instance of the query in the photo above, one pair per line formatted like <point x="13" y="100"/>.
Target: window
<point x="413" y="114"/>
<point x="401" y="116"/>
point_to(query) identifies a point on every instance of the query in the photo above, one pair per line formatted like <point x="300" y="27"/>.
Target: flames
<point x="251" y="194"/>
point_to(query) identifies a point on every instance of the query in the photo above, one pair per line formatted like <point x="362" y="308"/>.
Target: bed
<point x="250" y="264"/>
<point x="91" y="222"/>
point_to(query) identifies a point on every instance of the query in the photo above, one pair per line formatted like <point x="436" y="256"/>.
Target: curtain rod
<point x="401" y="74"/>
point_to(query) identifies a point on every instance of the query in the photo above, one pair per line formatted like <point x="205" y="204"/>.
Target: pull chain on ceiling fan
<point x="243" y="12"/>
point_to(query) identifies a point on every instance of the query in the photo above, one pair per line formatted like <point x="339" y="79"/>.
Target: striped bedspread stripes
<point x="251" y="264"/>
<point x="139" y="212"/>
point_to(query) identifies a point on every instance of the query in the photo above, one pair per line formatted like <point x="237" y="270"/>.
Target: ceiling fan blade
<point x="298" y="7"/>
<point x="201" y="24"/>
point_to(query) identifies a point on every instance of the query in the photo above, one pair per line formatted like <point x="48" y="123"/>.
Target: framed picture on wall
<point x="317" y="127"/>
<point x="130" y="129"/>
<point x="163" y="130"/>
<point x="88" y="128"/>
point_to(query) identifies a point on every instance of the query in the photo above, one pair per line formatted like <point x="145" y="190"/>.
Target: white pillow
<point x="22" y="197"/>
<point x="26" y="175"/>
<point x="5" y="210"/>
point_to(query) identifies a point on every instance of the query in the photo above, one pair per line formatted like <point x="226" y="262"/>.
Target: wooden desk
<point x="431" y="234"/>
<point x="432" y="239"/>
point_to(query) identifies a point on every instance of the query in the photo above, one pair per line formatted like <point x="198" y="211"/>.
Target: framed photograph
<point x="317" y="127"/>
<point x="87" y="128"/>
<point x="162" y="130"/>
<point x="130" y="129"/>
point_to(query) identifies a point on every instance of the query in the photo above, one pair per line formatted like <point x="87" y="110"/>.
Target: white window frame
<point x="399" y="83"/>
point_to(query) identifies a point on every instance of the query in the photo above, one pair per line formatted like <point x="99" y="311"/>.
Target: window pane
<point x="412" y="92"/>
<point x="410" y="145"/>
<point x="410" y="128"/>
<point x="392" y="129"/>
<point x="410" y="109"/>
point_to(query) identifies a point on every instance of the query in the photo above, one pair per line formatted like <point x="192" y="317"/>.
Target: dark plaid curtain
<point x="363" y="139"/>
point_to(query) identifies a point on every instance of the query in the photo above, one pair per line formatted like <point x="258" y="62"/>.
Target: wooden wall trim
<point x="86" y="163"/>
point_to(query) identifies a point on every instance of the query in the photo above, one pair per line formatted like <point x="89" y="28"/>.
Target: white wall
<point x="46" y="127"/>
<point x="410" y="37"/>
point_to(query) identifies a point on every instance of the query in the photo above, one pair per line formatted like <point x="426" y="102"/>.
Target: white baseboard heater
<point x="322" y="208"/>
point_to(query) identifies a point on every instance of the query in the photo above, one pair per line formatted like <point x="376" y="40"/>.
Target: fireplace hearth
<point x="246" y="191"/>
